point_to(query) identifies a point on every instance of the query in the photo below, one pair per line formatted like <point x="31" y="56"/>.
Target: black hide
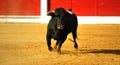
<point x="60" y="25"/>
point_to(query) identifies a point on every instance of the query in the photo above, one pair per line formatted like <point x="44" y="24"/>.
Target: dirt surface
<point x="25" y="44"/>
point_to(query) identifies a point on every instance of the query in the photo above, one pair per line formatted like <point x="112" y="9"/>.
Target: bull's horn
<point x="51" y="13"/>
<point x="48" y="13"/>
<point x="70" y="12"/>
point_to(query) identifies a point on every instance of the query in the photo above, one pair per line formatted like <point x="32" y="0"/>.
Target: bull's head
<point x="58" y="14"/>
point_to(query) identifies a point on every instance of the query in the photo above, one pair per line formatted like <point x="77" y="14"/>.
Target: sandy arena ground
<point x="25" y="44"/>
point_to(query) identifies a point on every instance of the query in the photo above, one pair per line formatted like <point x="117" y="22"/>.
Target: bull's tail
<point x="72" y="39"/>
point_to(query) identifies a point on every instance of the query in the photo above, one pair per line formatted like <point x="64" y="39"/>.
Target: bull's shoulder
<point x="53" y="21"/>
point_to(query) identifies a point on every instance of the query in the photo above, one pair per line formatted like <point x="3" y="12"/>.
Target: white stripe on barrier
<point x="81" y="19"/>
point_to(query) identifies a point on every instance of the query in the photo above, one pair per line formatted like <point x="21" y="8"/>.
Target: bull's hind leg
<point x="74" y="37"/>
<point x="55" y="47"/>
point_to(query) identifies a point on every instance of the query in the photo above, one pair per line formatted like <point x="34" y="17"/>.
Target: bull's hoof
<point x="55" y="47"/>
<point x="50" y="48"/>
<point x="76" y="46"/>
<point x="58" y="52"/>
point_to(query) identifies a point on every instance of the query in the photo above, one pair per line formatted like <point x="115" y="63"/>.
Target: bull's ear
<point x="51" y="13"/>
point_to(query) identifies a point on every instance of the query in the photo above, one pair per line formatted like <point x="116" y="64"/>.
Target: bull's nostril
<point x="59" y="27"/>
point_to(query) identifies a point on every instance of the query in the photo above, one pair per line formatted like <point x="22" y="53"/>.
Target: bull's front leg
<point x="48" y="38"/>
<point x="60" y="42"/>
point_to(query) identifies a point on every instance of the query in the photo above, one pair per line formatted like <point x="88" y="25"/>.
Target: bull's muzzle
<point x="60" y="27"/>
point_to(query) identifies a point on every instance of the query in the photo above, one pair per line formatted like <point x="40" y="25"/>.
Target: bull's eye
<point x="60" y="27"/>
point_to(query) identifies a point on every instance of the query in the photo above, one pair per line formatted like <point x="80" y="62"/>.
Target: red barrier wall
<point x="84" y="7"/>
<point x="89" y="7"/>
<point x="80" y="7"/>
<point x="53" y="4"/>
<point x="109" y="7"/>
<point x="20" y="7"/>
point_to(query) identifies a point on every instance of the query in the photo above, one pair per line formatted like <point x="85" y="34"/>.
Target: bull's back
<point x="71" y="23"/>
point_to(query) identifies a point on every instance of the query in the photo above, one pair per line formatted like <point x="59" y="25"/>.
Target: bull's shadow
<point x="105" y="51"/>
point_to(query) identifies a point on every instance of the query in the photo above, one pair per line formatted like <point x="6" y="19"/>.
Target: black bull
<point x="60" y="25"/>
